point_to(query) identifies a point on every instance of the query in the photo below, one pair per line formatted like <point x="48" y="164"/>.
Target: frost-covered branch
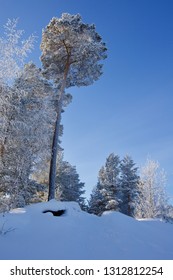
<point x="13" y="51"/>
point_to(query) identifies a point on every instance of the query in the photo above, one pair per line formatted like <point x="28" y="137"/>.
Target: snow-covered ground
<point x="79" y="235"/>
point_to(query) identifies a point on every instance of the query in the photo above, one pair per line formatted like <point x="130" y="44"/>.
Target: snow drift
<point x="28" y="233"/>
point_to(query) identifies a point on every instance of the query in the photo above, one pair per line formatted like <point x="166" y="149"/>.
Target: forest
<point x="32" y="101"/>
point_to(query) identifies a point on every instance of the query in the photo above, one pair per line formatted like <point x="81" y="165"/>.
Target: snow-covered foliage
<point x="109" y="182"/>
<point x="117" y="187"/>
<point x="27" y="117"/>
<point x="68" y="185"/>
<point x="152" y="200"/>
<point x="71" y="54"/>
<point x="13" y="51"/>
<point x="95" y="203"/>
<point x="70" y="45"/>
<point x="106" y="195"/>
<point x="78" y="235"/>
<point x="128" y="181"/>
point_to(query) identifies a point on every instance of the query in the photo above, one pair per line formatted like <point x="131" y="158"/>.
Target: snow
<point x="76" y="235"/>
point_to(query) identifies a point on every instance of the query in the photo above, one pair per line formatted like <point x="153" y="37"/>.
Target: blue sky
<point x="129" y="110"/>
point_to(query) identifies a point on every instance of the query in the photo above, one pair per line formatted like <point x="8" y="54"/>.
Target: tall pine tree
<point x="71" y="54"/>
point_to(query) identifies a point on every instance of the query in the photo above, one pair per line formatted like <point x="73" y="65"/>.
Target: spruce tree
<point x="107" y="195"/>
<point x="68" y="185"/>
<point x="95" y="203"/>
<point x="109" y="181"/>
<point x="129" y="185"/>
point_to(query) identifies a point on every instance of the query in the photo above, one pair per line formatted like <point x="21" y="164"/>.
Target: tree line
<point x="136" y="192"/>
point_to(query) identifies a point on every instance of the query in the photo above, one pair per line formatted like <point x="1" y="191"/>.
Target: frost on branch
<point x="68" y="38"/>
<point x="152" y="200"/>
<point x="106" y="195"/>
<point x="13" y="51"/>
<point x="27" y="116"/>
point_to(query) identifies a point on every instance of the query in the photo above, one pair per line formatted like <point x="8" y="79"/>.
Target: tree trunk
<point x="52" y="172"/>
<point x="129" y="207"/>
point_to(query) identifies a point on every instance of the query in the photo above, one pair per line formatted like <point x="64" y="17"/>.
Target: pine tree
<point x="129" y="182"/>
<point x="71" y="51"/>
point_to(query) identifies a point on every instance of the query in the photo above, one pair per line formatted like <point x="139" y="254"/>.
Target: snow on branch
<point x="13" y="51"/>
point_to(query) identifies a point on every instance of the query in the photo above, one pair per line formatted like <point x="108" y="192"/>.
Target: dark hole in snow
<point x="55" y="213"/>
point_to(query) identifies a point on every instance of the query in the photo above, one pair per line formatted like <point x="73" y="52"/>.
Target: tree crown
<point x="68" y="42"/>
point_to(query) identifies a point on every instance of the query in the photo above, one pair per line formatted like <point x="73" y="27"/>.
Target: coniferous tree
<point x="95" y="203"/>
<point x="68" y="185"/>
<point x="107" y="195"/>
<point x="109" y="181"/>
<point x="129" y="182"/>
<point x="71" y="51"/>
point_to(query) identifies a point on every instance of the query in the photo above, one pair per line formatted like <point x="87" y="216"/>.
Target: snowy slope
<point x="79" y="235"/>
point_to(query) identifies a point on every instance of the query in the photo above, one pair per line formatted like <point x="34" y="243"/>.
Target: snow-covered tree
<point x="109" y="181"/>
<point x="95" y="203"/>
<point x="9" y="143"/>
<point x="169" y="214"/>
<point x="129" y="182"/>
<point x="106" y="195"/>
<point x="71" y="52"/>
<point x="152" y="200"/>
<point x="27" y="118"/>
<point x="68" y="184"/>
<point x="13" y="51"/>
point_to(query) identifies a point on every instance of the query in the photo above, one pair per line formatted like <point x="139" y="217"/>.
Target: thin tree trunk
<point x="52" y="172"/>
<point x="129" y="207"/>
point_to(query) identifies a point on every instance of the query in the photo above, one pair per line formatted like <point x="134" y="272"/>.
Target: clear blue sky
<point x="130" y="109"/>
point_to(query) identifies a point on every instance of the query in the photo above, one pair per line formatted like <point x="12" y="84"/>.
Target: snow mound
<point x="71" y="208"/>
<point x="79" y="235"/>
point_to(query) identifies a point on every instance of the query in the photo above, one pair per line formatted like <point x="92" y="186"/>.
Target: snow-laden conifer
<point x="95" y="203"/>
<point x="109" y="181"/>
<point x="107" y="195"/>
<point x="71" y="55"/>
<point x="68" y="184"/>
<point x="129" y="182"/>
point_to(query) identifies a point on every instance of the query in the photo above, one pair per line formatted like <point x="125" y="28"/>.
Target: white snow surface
<point x="77" y="235"/>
